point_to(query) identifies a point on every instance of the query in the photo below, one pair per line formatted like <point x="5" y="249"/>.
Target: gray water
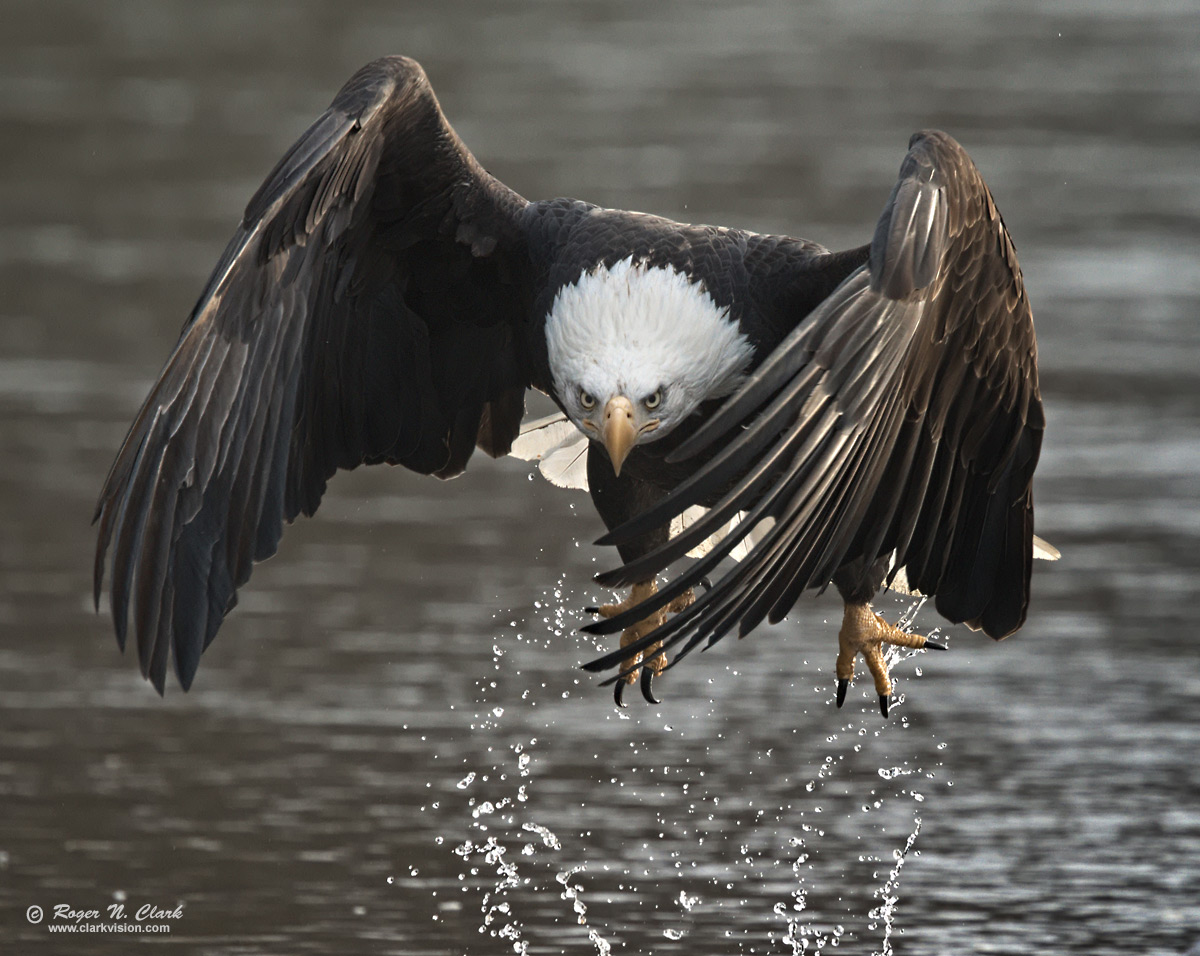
<point x="313" y="792"/>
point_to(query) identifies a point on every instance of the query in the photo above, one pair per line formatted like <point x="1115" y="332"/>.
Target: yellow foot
<point x="865" y="632"/>
<point x="654" y="662"/>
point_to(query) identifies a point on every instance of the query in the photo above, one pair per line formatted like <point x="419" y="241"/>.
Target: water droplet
<point x="687" y="902"/>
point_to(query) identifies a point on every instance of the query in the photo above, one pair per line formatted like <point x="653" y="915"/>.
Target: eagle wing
<point x="901" y="417"/>
<point x="365" y="311"/>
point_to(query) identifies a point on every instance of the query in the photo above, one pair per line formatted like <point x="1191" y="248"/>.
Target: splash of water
<point x="887" y="894"/>
<point x="498" y="850"/>
<point x="510" y="855"/>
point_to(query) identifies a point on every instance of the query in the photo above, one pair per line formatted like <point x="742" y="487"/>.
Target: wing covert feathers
<point x="901" y="415"/>
<point x="362" y="313"/>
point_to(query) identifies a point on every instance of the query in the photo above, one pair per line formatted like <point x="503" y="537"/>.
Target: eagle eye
<point x="653" y="401"/>
<point x="587" y="400"/>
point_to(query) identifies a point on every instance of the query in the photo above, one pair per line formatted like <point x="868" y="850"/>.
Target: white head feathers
<point x="633" y="328"/>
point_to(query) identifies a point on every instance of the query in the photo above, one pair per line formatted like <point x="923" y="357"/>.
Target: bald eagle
<point x="842" y="416"/>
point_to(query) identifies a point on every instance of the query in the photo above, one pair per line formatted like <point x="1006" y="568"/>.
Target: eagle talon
<point x="865" y="632"/>
<point x="619" y="694"/>
<point x="648" y="673"/>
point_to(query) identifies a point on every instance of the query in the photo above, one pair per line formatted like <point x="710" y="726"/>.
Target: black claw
<point x="648" y="686"/>
<point x="935" y="646"/>
<point x="591" y="610"/>
<point x="706" y="583"/>
<point x="619" y="693"/>
<point x="884" y="700"/>
<point x="841" y="691"/>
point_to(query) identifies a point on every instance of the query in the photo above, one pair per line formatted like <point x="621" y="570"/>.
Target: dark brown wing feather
<point x="901" y="415"/>
<point x="365" y="311"/>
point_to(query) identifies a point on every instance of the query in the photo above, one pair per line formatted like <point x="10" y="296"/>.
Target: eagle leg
<point x="865" y="632"/>
<point x="655" y="664"/>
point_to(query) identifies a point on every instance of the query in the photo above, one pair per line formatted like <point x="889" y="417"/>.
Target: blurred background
<point x="390" y="749"/>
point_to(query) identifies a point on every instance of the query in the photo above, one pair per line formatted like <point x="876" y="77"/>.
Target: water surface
<point x="313" y="793"/>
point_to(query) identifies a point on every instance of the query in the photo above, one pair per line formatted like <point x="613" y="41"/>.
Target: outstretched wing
<point x="901" y="416"/>
<point x="366" y="310"/>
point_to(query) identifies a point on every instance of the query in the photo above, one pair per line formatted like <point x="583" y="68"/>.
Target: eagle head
<point x="635" y="349"/>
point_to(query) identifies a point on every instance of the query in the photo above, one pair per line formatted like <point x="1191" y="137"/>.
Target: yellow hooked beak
<point x="620" y="432"/>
